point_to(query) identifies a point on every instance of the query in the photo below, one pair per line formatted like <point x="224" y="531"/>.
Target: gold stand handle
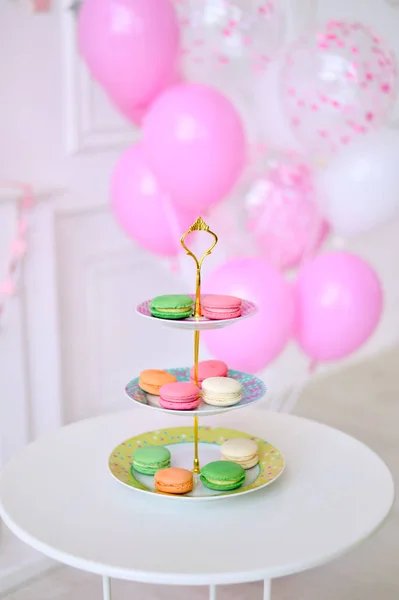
<point x="199" y="225"/>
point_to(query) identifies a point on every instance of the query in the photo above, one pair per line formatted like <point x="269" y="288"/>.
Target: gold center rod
<point x="199" y="225"/>
<point x="196" y="357"/>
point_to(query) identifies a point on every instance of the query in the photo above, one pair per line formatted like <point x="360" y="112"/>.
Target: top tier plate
<point x="198" y="323"/>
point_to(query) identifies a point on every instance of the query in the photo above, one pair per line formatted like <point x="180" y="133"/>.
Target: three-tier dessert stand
<point x="180" y="439"/>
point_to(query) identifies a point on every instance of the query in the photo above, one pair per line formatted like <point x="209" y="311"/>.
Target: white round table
<point x="58" y="497"/>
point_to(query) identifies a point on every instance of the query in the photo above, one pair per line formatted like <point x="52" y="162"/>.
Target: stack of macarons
<point x="217" y="389"/>
<point x="155" y="460"/>
<point x="238" y="455"/>
<point x="173" y="394"/>
<point x="218" y="307"/>
<point x="173" y="306"/>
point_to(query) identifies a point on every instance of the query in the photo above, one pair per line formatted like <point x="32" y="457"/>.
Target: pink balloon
<point x="136" y="114"/>
<point x="142" y="209"/>
<point x="283" y="216"/>
<point x="252" y="343"/>
<point x="130" y="46"/>
<point x="339" y="304"/>
<point x="195" y="143"/>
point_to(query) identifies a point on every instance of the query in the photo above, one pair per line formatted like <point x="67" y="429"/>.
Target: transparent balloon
<point x="221" y="36"/>
<point x="282" y="212"/>
<point x="268" y="118"/>
<point x="337" y="84"/>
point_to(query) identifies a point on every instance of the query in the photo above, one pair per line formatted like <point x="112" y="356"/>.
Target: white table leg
<point x="267" y="589"/>
<point x="106" y="588"/>
<point x="212" y="592"/>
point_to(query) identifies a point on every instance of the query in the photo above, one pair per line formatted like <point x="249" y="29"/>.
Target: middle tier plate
<point x="253" y="390"/>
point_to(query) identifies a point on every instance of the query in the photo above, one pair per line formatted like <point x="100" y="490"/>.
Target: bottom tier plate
<point x="180" y="441"/>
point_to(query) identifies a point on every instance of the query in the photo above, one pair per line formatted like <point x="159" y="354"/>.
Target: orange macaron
<point x="151" y="380"/>
<point x="173" y="481"/>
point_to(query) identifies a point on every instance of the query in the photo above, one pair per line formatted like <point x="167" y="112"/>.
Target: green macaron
<point x="222" y="475"/>
<point x="173" y="306"/>
<point x="150" y="459"/>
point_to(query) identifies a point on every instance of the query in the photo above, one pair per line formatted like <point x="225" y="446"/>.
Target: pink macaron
<point x="209" y="368"/>
<point x="221" y="307"/>
<point x="181" y="395"/>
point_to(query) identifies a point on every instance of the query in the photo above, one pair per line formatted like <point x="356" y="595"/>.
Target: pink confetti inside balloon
<point x="218" y="34"/>
<point x="282" y="213"/>
<point x="337" y="84"/>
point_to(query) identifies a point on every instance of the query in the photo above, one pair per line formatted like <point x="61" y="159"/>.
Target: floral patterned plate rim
<point x="200" y="323"/>
<point x="254" y="390"/>
<point x="179" y="440"/>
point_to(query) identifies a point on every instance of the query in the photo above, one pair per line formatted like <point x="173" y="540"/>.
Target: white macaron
<point x="241" y="451"/>
<point x="221" y="391"/>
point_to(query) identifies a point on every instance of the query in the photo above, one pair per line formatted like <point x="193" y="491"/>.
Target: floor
<point x="363" y="401"/>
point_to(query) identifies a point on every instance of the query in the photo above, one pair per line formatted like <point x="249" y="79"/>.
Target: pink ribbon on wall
<point x="41" y="5"/>
<point x="19" y="244"/>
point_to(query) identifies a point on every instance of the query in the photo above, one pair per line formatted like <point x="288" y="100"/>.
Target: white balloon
<point x="359" y="189"/>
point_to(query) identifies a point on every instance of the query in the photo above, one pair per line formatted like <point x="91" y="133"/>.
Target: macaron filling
<point x="179" y="405"/>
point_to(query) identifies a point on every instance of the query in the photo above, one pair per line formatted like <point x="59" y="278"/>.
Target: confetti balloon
<point x="283" y="216"/>
<point x="272" y="126"/>
<point x="337" y="84"/>
<point x="220" y="36"/>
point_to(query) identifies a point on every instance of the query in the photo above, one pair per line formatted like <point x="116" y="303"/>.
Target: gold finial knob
<point x="199" y="225"/>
